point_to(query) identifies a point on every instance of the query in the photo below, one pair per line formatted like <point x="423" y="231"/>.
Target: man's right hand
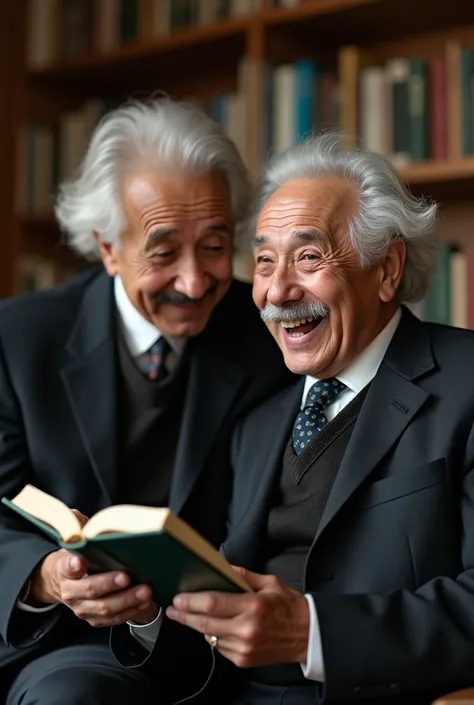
<point x="102" y="600"/>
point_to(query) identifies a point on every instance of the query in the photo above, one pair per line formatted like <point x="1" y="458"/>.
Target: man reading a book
<point x="353" y="499"/>
<point x="123" y="386"/>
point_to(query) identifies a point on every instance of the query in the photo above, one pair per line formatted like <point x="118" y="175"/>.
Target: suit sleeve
<point x="21" y="549"/>
<point x="404" y="642"/>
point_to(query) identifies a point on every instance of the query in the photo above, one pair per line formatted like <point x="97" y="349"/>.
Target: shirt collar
<point x="364" y="368"/>
<point x="139" y="333"/>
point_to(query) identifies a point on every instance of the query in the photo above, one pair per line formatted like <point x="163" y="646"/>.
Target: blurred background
<point x="395" y="76"/>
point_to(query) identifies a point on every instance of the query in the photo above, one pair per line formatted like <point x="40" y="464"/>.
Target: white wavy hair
<point x="163" y="134"/>
<point x="386" y="209"/>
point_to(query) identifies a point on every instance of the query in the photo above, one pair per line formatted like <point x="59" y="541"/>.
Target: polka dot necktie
<point x="311" y="418"/>
<point x="155" y="368"/>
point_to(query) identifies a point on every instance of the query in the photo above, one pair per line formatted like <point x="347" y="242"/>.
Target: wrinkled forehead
<point x="323" y="205"/>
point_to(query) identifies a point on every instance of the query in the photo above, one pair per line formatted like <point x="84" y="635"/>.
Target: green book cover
<point x="438" y="300"/>
<point x="156" y="558"/>
<point x="418" y="82"/>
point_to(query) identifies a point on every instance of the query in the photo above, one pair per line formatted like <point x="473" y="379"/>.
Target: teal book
<point x="418" y="100"/>
<point x="153" y="545"/>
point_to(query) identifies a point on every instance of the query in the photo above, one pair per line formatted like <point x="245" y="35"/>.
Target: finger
<point x="204" y="624"/>
<point x="217" y="604"/>
<point x="82" y="517"/>
<point x="256" y="581"/>
<point x="108" y="608"/>
<point x="115" y="620"/>
<point x="228" y="644"/>
<point x="72" y="567"/>
<point x="93" y="587"/>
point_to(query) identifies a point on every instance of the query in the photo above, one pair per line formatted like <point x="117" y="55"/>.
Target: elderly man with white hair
<point x="352" y="516"/>
<point x="123" y="386"/>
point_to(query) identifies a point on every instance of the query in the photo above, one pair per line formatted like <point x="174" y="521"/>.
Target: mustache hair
<point x="176" y="297"/>
<point x="311" y="309"/>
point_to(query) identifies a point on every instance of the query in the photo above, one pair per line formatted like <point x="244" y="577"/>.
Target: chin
<point x="182" y="329"/>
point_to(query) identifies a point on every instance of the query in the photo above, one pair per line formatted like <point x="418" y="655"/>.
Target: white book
<point x="284" y="107"/>
<point x="373" y="110"/>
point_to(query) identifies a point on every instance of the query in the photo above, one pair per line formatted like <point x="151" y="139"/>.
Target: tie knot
<point x="156" y="358"/>
<point x="159" y="348"/>
<point x="323" y="393"/>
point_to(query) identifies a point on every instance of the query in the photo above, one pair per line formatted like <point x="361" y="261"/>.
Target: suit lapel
<point x="90" y="381"/>
<point x="246" y="538"/>
<point x="391" y="403"/>
<point x="214" y="383"/>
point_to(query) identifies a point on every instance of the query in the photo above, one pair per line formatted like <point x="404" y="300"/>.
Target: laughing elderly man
<point x="353" y="501"/>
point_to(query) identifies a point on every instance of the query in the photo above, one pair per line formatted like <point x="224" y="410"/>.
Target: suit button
<point x="357" y="690"/>
<point x="395" y="688"/>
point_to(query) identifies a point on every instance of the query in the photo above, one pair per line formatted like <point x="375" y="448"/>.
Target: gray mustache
<point x="176" y="297"/>
<point x="313" y="309"/>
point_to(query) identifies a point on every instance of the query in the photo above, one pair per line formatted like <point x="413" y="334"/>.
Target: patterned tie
<point x="156" y="357"/>
<point x="311" y="418"/>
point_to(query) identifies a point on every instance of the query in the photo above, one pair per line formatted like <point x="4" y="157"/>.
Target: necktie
<point x="156" y="358"/>
<point x="311" y="418"/>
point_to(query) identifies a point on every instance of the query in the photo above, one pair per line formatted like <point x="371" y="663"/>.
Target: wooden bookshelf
<point x="201" y="61"/>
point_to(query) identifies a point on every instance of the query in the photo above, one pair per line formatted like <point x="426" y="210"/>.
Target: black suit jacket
<point x="58" y="426"/>
<point x="391" y="568"/>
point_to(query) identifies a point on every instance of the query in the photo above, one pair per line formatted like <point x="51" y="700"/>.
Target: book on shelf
<point x="450" y="298"/>
<point x="60" y="29"/>
<point x="152" y="545"/>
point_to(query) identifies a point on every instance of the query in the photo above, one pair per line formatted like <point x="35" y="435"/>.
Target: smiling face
<point x="175" y="257"/>
<point x="320" y="305"/>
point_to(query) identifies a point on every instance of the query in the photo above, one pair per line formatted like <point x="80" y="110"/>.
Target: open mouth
<point x="300" y="327"/>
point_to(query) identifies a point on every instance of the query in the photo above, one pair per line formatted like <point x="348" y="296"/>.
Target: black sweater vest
<point x="305" y="484"/>
<point x="150" y="420"/>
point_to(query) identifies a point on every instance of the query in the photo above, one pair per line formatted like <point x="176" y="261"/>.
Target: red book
<point x="438" y="110"/>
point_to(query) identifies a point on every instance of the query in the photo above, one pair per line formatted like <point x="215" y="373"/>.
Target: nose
<point x="283" y="288"/>
<point x="192" y="280"/>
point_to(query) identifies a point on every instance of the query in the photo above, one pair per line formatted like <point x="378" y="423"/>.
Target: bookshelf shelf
<point x="211" y="38"/>
<point x="438" y="171"/>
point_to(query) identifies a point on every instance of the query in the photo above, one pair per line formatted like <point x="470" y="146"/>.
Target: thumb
<point x="73" y="567"/>
<point x="82" y="517"/>
<point x="255" y="581"/>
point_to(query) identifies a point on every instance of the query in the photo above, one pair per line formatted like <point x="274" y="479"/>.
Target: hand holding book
<point x="101" y="599"/>
<point x="141" y="557"/>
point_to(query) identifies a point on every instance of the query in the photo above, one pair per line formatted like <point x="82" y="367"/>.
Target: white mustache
<point x="313" y="309"/>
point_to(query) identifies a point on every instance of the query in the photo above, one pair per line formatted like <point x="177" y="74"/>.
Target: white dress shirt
<point x="139" y="336"/>
<point x="355" y="377"/>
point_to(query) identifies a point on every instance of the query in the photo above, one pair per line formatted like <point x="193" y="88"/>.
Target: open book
<point x="152" y="545"/>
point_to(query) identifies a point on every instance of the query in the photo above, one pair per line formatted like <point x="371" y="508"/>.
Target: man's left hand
<point x="264" y="627"/>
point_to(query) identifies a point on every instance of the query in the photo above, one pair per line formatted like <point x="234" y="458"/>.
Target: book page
<point x="49" y="510"/>
<point x="126" y="519"/>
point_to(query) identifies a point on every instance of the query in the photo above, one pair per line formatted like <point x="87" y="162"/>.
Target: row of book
<point x="407" y="110"/>
<point x="406" y="107"/>
<point x="49" y="154"/>
<point x="450" y="299"/>
<point x="69" y="28"/>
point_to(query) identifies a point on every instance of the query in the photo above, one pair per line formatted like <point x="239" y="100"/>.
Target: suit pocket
<point x="406" y="483"/>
